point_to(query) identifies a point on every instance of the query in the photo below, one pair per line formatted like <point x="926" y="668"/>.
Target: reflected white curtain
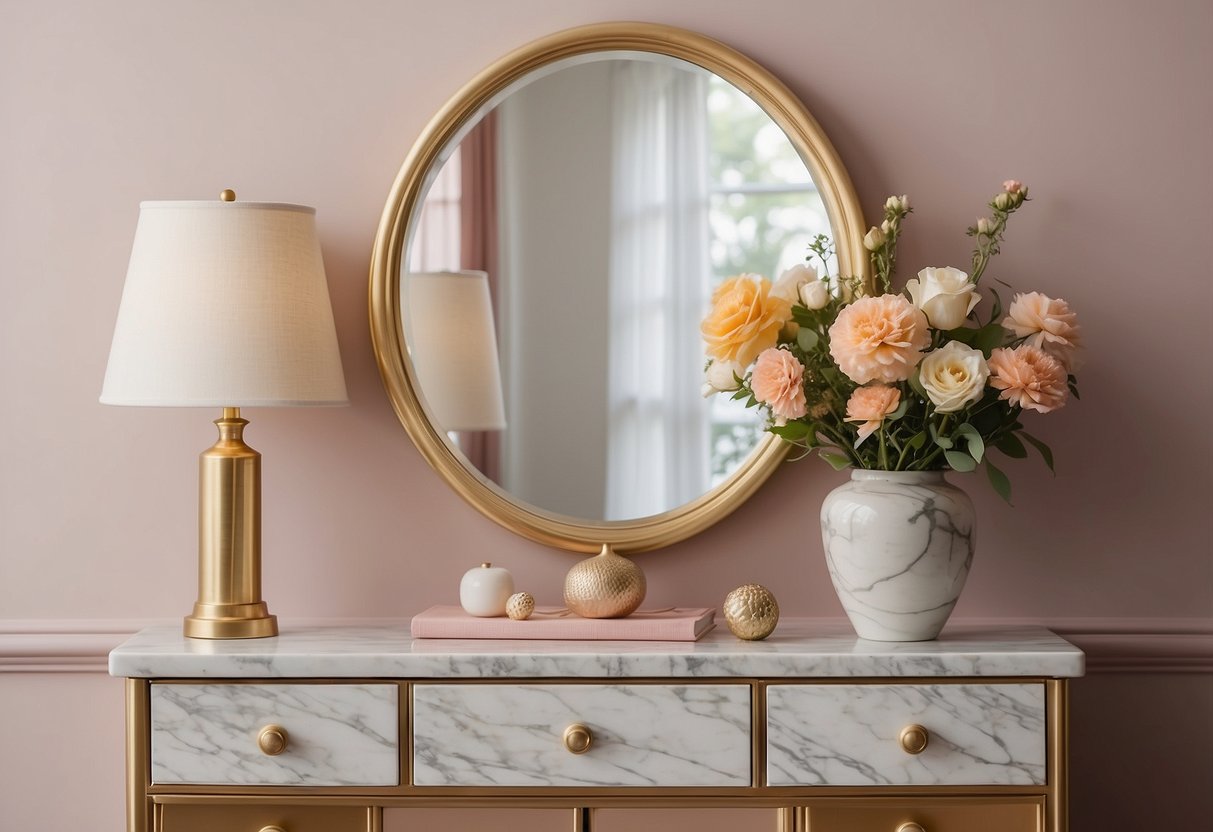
<point x="658" y="426"/>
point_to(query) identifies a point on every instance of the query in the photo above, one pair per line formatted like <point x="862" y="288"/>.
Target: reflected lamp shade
<point x="225" y="304"/>
<point x="453" y="346"/>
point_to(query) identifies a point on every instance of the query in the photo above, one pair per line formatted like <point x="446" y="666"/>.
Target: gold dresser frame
<point x="152" y="807"/>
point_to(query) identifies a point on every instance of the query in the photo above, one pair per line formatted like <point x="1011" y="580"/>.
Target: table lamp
<point x="453" y="347"/>
<point x="226" y="305"/>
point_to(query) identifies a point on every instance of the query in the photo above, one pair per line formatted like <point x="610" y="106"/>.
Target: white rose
<point x="954" y="376"/>
<point x="815" y="294"/>
<point x="720" y="377"/>
<point x="789" y="283"/>
<point x="945" y="295"/>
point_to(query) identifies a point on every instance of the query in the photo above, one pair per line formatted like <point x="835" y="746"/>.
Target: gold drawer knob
<point x="272" y="741"/>
<point x="280" y="829"/>
<point x="908" y="826"/>
<point x="578" y="738"/>
<point x="913" y="739"/>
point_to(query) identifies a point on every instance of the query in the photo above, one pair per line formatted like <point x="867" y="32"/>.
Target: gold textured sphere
<point x="751" y="612"/>
<point x="520" y="606"/>
<point x="604" y="586"/>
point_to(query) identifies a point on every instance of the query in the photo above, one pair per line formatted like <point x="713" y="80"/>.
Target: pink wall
<point x="1103" y="108"/>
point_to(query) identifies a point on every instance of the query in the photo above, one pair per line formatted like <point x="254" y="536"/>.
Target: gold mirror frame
<point x="387" y="333"/>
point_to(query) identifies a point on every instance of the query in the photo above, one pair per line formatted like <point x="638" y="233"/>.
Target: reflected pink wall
<point x="1102" y="108"/>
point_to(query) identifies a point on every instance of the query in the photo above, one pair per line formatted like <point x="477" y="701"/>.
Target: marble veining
<point x="644" y="735"/>
<point x="847" y="735"/>
<point x="798" y="648"/>
<point x="899" y="545"/>
<point x="339" y="735"/>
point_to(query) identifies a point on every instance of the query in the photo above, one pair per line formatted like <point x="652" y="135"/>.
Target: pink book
<point x="669" y="624"/>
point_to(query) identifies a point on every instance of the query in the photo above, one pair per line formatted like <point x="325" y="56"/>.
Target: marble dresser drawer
<point x="177" y="817"/>
<point x="330" y="735"/>
<point x="640" y="735"/>
<point x="852" y="735"/>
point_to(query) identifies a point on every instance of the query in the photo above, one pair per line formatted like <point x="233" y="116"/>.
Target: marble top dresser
<point x="323" y="727"/>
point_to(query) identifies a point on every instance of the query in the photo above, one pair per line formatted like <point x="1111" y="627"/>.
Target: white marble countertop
<point x="798" y="648"/>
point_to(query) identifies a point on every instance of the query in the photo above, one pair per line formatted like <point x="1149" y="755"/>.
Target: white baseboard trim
<point x="1112" y="645"/>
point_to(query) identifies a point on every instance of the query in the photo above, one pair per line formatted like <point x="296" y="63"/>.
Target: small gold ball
<point x="520" y="606"/>
<point x="228" y="195"/>
<point x="751" y="612"/>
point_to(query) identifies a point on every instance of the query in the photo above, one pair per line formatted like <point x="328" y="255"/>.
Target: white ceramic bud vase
<point x="898" y="545"/>
<point x="485" y="591"/>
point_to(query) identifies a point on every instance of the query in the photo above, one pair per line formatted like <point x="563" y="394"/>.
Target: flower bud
<point x="985" y="227"/>
<point x="721" y="377"/>
<point x="886" y="227"/>
<point x="1012" y="186"/>
<point x="892" y="204"/>
<point x="815" y="294"/>
<point x="874" y="239"/>
<point x="905" y="202"/>
<point x="1003" y="201"/>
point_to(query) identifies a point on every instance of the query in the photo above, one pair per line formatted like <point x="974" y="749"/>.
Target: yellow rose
<point x="745" y="319"/>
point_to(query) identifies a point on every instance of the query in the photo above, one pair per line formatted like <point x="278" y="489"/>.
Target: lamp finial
<point x="228" y="195"/>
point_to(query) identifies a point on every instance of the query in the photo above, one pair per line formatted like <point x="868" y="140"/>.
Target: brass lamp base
<point x="229" y="539"/>
<point x="231" y="621"/>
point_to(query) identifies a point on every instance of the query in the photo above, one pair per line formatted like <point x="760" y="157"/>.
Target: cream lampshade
<point x="226" y="305"/>
<point x="453" y="347"/>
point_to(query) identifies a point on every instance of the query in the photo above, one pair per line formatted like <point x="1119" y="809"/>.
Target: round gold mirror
<point x="544" y="259"/>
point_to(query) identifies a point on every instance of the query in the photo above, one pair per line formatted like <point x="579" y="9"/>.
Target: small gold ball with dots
<point x="520" y="606"/>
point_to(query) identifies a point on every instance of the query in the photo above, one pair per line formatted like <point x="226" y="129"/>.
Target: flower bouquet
<point x="926" y="380"/>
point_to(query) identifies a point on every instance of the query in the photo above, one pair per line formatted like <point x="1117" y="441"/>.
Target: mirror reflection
<point x="603" y="198"/>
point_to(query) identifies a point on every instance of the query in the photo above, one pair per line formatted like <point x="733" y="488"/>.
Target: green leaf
<point x="1044" y="449"/>
<point x="836" y="461"/>
<point x="915" y="381"/>
<point x="917" y="440"/>
<point x="973" y="440"/>
<point x="988" y="338"/>
<point x="792" y="431"/>
<point x="960" y="461"/>
<point x="996" y="312"/>
<point x="900" y="411"/>
<point x="1012" y="447"/>
<point x="942" y="441"/>
<point x="1073" y="385"/>
<point x="1000" y="481"/>
<point x="807" y="338"/>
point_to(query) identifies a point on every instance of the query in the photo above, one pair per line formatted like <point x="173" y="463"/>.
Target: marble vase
<point x="898" y="545"/>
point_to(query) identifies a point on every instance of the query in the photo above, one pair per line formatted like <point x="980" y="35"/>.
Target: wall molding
<point x="1112" y="645"/>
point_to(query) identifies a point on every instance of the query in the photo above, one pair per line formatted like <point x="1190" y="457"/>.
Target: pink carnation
<point x="879" y="339"/>
<point x="1029" y="377"/>
<point x="778" y="382"/>
<point x="871" y="405"/>
<point x="1047" y="323"/>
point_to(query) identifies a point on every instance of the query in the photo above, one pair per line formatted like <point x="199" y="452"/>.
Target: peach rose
<point x="778" y="382"/>
<point x="871" y="405"/>
<point x="1047" y="323"/>
<point x="1029" y="377"/>
<point x="879" y="339"/>
<point x="745" y="319"/>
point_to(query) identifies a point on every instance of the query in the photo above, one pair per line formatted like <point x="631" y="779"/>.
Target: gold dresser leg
<point x="1059" y="731"/>
<point x="138" y="774"/>
<point x="583" y="820"/>
<point x="792" y="819"/>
